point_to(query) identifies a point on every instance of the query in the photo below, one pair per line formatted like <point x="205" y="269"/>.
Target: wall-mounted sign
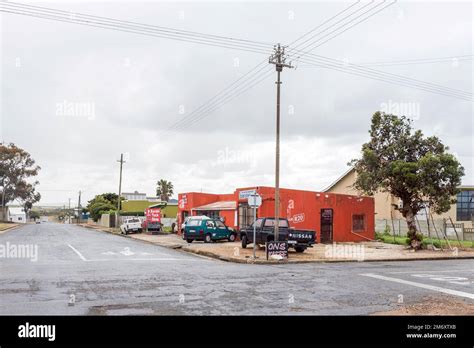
<point x="153" y="214"/>
<point x="246" y="193"/>
<point x="277" y="250"/>
<point x="183" y="202"/>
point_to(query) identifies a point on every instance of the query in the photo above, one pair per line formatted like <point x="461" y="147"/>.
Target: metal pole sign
<point x="254" y="201"/>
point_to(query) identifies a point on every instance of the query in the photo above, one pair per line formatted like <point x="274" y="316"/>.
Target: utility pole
<point x="119" y="191"/>
<point x="79" y="207"/>
<point x="279" y="60"/>
<point x="69" y="212"/>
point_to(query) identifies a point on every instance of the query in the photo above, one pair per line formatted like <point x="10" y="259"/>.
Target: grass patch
<point x="5" y="226"/>
<point x="390" y="239"/>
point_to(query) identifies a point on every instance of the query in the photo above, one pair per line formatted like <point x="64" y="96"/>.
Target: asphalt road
<point x="82" y="271"/>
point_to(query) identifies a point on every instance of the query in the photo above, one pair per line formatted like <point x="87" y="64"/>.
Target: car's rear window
<point x="134" y="220"/>
<point x="194" y="222"/>
<point x="271" y="223"/>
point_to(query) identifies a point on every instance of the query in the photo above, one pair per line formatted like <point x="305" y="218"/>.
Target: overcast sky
<point x="137" y="86"/>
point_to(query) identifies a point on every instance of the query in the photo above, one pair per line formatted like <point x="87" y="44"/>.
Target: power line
<point x="217" y="99"/>
<point x="308" y="48"/>
<point x="201" y="115"/>
<point x="323" y="23"/>
<point x="136" y="24"/>
<point x="290" y="48"/>
<point x="342" y="64"/>
<point x="379" y="77"/>
<point x="229" y="97"/>
<point x="137" y="29"/>
<point x="420" y="61"/>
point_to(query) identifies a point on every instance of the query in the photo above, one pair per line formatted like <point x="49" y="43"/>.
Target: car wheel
<point x="244" y="241"/>
<point x="207" y="238"/>
<point x="232" y="237"/>
<point x="299" y="249"/>
<point x="189" y="240"/>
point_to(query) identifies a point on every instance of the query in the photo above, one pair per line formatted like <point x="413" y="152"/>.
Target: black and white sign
<point x="277" y="250"/>
<point x="254" y="200"/>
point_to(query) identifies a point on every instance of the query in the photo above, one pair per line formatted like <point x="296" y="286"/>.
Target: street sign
<point x="277" y="250"/>
<point x="254" y="200"/>
<point x="246" y="193"/>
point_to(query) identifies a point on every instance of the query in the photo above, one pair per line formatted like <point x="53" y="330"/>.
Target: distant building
<point x="385" y="204"/>
<point x="16" y="214"/>
<point x="134" y="196"/>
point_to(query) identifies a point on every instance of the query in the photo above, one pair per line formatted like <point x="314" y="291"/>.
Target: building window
<point x="358" y="223"/>
<point x="465" y="205"/>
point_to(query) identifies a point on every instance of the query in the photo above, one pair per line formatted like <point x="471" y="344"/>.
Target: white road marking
<point x="142" y="259"/>
<point x="421" y="285"/>
<point x="127" y="252"/>
<point x="77" y="252"/>
<point x="440" y="271"/>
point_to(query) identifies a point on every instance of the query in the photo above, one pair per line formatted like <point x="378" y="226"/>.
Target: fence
<point x="399" y="228"/>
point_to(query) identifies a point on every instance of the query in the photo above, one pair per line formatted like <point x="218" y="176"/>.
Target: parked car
<point x="208" y="230"/>
<point x="264" y="232"/>
<point x="186" y="220"/>
<point x="131" y="225"/>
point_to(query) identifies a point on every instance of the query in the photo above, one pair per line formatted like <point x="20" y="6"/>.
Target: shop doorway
<point x="326" y="225"/>
<point x="245" y="215"/>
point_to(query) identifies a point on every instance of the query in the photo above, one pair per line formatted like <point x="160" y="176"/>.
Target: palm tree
<point x="164" y="189"/>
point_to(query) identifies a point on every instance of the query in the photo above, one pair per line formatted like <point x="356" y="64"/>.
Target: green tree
<point x="101" y="204"/>
<point x="16" y="167"/>
<point x="99" y="207"/>
<point x="34" y="214"/>
<point x="164" y="189"/>
<point x="111" y="197"/>
<point x="416" y="169"/>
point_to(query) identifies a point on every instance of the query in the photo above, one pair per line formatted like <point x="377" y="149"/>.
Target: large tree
<point x="164" y="189"/>
<point x="16" y="168"/>
<point x="416" y="169"/>
<point x="101" y="204"/>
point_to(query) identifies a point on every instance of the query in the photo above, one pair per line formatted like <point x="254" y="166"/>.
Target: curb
<point x="11" y="228"/>
<point x="268" y="262"/>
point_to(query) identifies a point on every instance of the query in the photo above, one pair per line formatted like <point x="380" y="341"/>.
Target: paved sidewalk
<point x="340" y="252"/>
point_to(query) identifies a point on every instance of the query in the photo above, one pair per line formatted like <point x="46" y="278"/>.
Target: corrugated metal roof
<point x="220" y="205"/>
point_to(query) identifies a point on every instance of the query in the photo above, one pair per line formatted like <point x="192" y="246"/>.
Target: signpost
<point x="254" y="201"/>
<point x="277" y="250"/>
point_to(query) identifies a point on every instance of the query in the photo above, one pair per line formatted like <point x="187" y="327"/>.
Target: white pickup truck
<point x="131" y="225"/>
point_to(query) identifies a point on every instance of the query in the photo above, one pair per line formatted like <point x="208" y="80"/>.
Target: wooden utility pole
<point x="79" y="207"/>
<point x="279" y="60"/>
<point x="119" y="191"/>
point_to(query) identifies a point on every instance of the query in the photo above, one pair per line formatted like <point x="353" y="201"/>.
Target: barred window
<point x="358" y="223"/>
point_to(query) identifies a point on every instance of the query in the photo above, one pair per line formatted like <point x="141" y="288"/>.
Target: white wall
<point x="18" y="218"/>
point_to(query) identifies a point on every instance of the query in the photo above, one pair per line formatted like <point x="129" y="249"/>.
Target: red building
<point x="335" y="217"/>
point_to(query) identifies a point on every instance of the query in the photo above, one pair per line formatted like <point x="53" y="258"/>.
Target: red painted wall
<point x="302" y="209"/>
